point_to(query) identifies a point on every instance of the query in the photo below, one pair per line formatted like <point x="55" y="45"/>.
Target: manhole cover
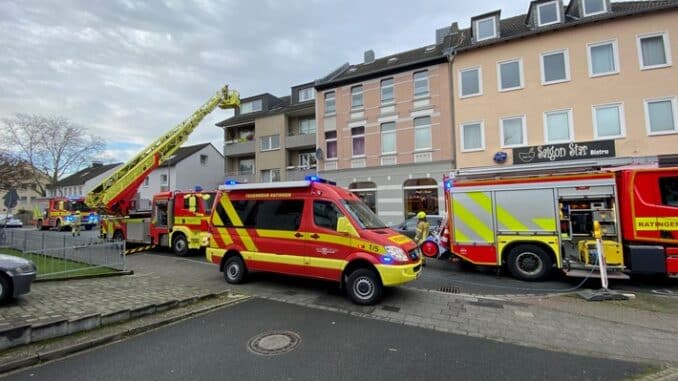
<point x="273" y="343"/>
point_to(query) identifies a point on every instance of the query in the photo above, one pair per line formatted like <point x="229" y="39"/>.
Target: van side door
<point x="326" y="249"/>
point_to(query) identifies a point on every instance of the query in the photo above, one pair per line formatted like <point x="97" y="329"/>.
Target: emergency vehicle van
<point x="309" y="228"/>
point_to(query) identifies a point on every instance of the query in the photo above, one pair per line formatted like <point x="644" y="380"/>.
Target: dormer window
<point x="485" y="28"/>
<point x="594" y="7"/>
<point x="252" y="106"/>
<point x="548" y="13"/>
<point x="306" y="94"/>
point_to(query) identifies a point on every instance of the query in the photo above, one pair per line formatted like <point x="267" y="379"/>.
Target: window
<point x="387" y="90"/>
<point x="555" y="67"/>
<point x="420" y="195"/>
<point x="252" y="106"/>
<point x="603" y="59"/>
<point x="203" y="159"/>
<point x="331" y="144"/>
<point x="246" y="167"/>
<point x="326" y="214"/>
<point x="513" y="132"/>
<point x="471" y="82"/>
<point x="330" y="106"/>
<point x="548" y="13"/>
<point x="358" y="138"/>
<point x="558" y="126"/>
<point x="594" y="7"/>
<point x="270" y="175"/>
<point x="163" y="179"/>
<point x="608" y="121"/>
<point x="420" y="79"/>
<point x="472" y="137"/>
<point x="422" y="133"/>
<point x="307" y="160"/>
<point x="367" y="192"/>
<point x="654" y="51"/>
<point x="307" y="126"/>
<point x="660" y="116"/>
<point x="270" y="142"/>
<point x="146" y="181"/>
<point x="357" y="96"/>
<point x="388" y="138"/>
<point x="668" y="187"/>
<point x="510" y="75"/>
<point x="485" y="29"/>
<point x="267" y="214"/>
<point x="306" y="94"/>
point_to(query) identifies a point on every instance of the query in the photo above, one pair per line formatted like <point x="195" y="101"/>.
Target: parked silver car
<point x="16" y="276"/>
<point x="409" y="226"/>
<point x="9" y="221"/>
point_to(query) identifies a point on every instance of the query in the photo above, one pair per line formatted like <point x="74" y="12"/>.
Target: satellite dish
<point x="319" y="155"/>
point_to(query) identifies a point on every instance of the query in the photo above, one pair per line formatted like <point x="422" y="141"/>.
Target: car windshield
<point x="363" y="214"/>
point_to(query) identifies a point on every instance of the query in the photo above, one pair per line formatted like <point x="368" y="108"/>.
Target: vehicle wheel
<point x="235" y="270"/>
<point x="180" y="245"/>
<point x="429" y="249"/>
<point x="58" y="225"/>
<point x="5" y="289"/>
<point x="364" y="287"/>
<point x="38" y="225"/>
<point x="117" y="236"/>
<point x="529" y="262"/>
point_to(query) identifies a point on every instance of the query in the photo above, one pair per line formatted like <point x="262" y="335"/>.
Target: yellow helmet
<point x="421" y="215"/>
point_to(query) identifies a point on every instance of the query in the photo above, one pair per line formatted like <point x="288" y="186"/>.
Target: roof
<point x="84" y="175"/>
<point x="283" y="107"/>
<point x="183" y="153"/>
<point x="394" y="63"/>
<point x="516" y="27"/>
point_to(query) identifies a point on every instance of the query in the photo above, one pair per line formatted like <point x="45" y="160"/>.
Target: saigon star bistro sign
<point x="561" y="152"/>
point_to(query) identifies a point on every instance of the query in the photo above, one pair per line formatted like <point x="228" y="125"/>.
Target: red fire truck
<point x="60" y="212"/>
<point x="532" y="220"/>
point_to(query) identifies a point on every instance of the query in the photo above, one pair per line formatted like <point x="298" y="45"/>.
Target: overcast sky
<point x="129" y="71"/>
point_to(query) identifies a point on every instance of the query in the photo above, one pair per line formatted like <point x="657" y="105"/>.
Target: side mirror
<point x="344" y="226"/>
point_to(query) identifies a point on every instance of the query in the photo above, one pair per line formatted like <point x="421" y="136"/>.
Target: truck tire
<point x="364" y="287"/>
<point x="180" y="245"/>
<point x="235" y="270"/>
<point x="118" y="236"/>
<point x="39" y="225"/>
<point x="529" y="263"/>
<point x="58" y="226"/>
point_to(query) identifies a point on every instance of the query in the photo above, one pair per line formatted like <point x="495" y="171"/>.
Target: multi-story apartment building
<point x="384" y="130"/>
<point x="270" y="138"/>
<point x="590" y="80"/>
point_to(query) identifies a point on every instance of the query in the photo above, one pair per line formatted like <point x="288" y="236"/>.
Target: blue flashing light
<point x="448" y="184"/>
<point x="387" y="259"/>
<point x="230" y="182"/>
<point x="197" y="188"/>
<point x="318" y="179"/>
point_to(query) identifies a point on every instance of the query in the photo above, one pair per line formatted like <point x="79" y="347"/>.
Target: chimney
<point x="369" y="56"/>
<point x="446" y="31"/>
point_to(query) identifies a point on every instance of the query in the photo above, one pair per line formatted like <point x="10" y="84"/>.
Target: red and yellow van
<point x="309" y="228"/>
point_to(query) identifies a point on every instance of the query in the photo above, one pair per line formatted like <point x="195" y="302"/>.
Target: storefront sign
<point x="561" y="152"/>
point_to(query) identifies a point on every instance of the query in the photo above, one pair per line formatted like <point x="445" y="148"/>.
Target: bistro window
<point x="420" y="195"/>
<point x="366" y="191"/>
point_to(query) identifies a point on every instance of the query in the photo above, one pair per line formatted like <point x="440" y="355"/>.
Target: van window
<point x="326" y="214"/>
<point x="668" y="187"/>
<point x="265" y="214"/>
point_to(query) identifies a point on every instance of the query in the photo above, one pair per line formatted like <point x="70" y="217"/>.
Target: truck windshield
<point x="77" y="206"/>
<point x="363" y="214"/>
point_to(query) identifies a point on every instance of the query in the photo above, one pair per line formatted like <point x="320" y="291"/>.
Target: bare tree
<point x="14" y="172"/>
<point x="52" y="144"/>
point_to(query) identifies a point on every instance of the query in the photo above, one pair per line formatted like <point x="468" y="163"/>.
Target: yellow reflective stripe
<point x="235" y="219"/>
<point x="459" y="236"/>
<point x="327" y="263"/>
<point x="509" y="221"/>
<point x="274" y="258"/>
<point x="284" y="234"/>
<point x="483" y="231"/>
<point x="548" y="224"/>
<point x="482" y="200"/>
<point x="187" y="220"/>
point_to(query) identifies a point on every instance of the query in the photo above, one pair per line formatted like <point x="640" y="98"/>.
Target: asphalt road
<point x="332" y="346"/>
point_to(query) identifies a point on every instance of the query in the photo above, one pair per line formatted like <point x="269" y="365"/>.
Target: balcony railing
<point x="241" y="176"/>
<point x="299" y="173"/>
<point x="300" y="141"/>
<point x="239" y="148"/>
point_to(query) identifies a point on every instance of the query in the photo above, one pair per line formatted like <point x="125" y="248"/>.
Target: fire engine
<point x="534" y="219"/>
<point x="60" y="212"/>
<point x="177" y="219"/>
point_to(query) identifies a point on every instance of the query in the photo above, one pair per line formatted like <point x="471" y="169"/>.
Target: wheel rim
<point x="529" y="263"/>
<point x="179" y="245"/>
<point x="363" y="288"/>
<point x="233" y="271"/>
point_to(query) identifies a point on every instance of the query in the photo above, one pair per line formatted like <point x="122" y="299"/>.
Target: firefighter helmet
<point x="421" y="215"/>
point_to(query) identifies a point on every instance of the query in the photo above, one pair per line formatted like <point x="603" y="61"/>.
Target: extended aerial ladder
<point x="114" y="195"/>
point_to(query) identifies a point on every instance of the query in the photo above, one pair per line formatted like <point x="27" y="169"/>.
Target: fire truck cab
<point x="60" y="212"/>
<point x="309" y="228"/>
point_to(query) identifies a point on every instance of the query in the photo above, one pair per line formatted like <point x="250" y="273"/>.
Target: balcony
<point x="242" y="176"/>
<point x="239" y="148"/>
<point x="300" y="141"/>
<point x="299" y="173"/>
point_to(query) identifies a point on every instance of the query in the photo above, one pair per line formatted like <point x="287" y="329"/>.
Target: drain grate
<point x="273" y="343"/>
<point x="449" y="289"/>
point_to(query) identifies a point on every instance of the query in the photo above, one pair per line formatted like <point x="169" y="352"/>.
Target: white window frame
<point x="269" y="172"/>
<point x="147" y="182"/>
<point x="477" y="30"/>
<point x="268" y="138"/>
<point x="674" y="108"/>
<point x="362" y="97"/>
<point x="586" y="14"/>
<point x="164" y="179"/>
<point x="667" y="49"/>
<point x="523" y="121"/>
<point x="622" y="121"/>
<point x="482" y="136"/>
<point x="251" y="104"/>
<point x="309" y="120"/>
<point x="326" y="97"/>
<point x="520" y="73"/>
<point x="558" y="11"/>
<point x="395" y="134"/>
<point x="414" y="87"/>
<point x="570" y="123"/>
<point x="310" y="92"/>
<point x="480" y="82"/>
<point x="307" y="160"/>
<point x="566" y="57"/>
<point x="336" y="141"/>
<point x="430" y="133"/>
<point x="615" y="56"/>
<point x="381" y="91"/>
<point x="353" y="137"/>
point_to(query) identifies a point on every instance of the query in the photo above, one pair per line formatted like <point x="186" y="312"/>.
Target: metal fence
<point x="62" y="253"/>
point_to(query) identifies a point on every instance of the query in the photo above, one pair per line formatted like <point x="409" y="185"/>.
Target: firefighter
<point x="75" y="225"/>
<point x="422" y="228"/>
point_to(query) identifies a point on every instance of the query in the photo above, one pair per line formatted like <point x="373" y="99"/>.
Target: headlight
<point x="28" y="268"/>
<point x="394" y="253"/>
